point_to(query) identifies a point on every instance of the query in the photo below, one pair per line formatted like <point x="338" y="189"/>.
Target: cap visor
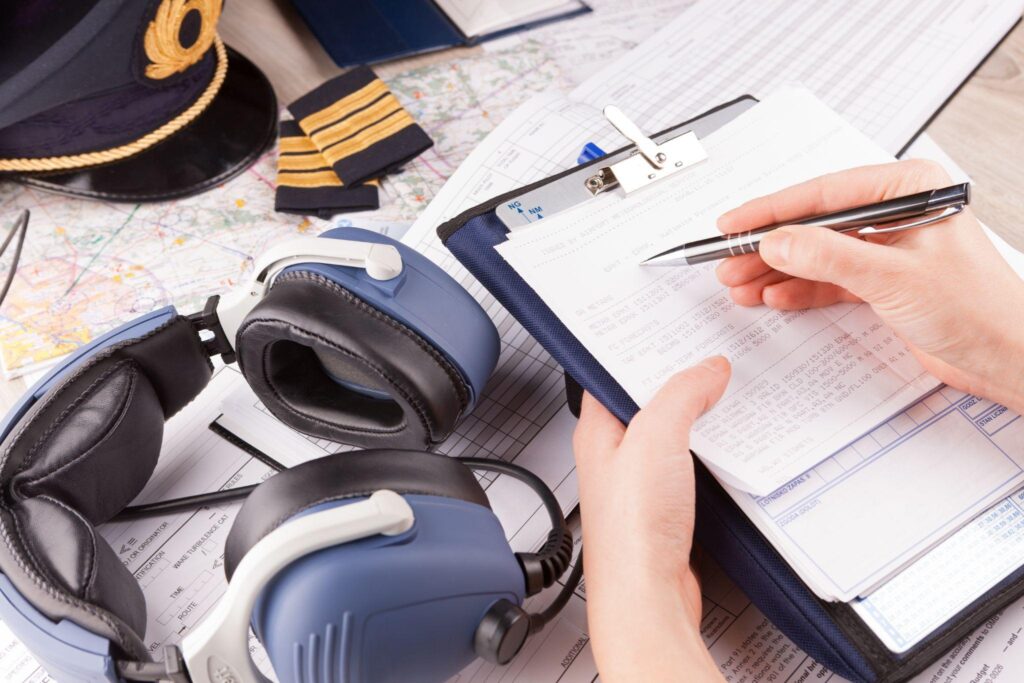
<point x="224" y="140"/>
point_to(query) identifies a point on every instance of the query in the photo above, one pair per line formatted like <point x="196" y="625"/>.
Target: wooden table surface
<point x="982" y="128"/>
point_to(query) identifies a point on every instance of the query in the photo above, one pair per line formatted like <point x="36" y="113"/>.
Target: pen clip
<point x="948" y="212"/>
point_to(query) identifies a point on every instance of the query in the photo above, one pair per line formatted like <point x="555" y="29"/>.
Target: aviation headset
<point x="384" y="564"/>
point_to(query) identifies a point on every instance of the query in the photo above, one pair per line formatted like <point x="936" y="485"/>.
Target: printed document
<point x="805" y="383"/>
<point x="981" y="461"/>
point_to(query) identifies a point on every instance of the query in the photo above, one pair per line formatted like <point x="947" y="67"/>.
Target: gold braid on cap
<point x="163" y="46"/>
<point x="165" y="62"/>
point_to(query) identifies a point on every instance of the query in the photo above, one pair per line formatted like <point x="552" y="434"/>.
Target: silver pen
<point x="930" y="207"/>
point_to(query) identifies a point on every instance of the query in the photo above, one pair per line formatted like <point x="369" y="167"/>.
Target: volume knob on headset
<point x="502" y="632"/>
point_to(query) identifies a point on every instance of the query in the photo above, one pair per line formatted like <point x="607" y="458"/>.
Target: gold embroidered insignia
<point x="167" y="56"/>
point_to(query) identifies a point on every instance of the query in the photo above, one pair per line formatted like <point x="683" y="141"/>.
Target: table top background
<point x="981" y="128"/>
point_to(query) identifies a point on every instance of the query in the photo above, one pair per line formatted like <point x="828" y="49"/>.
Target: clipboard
<point x="832" y="633"/>
<point x="357" y="32"/>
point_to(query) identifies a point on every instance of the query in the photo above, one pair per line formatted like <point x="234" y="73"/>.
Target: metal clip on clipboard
<point x="573" y="187"/>
<point x="650" y="162"/>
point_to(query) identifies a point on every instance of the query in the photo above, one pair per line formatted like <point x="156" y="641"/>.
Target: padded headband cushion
<point x="345" y="475"/>
<point x="310" y="336"/>
<point x="80" y="454"/>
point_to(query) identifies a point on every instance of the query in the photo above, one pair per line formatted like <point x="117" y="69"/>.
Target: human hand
<point x="637" y="502"/>
<point x="944" y="289"/>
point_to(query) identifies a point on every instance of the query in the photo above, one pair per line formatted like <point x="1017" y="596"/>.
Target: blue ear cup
<point x="385" y="608"/>
<point x="429" y="301"/>
<point x="420" y="605"/>
<point x="395" y="363"/>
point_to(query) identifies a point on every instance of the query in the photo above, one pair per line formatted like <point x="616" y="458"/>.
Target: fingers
<point x="663" y="425"/>
<point x="739" y="270"/>
<point x="750" y="293"/>
<point x="598" y="432"/>
<point x="823" y="255"/>
<point x="835" y="192"/>
<point x="796" y="295"/>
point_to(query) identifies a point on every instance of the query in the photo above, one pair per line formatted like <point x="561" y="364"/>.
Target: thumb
<point x="664" y="423"/>
<point x="816" y="253"/>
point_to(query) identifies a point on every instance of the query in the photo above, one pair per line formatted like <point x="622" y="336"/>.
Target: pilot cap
<point x="127" y="100"/>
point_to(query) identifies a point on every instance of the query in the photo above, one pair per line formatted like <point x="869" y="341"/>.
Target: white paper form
<point x="860" y="517"/>
<point x="949" y="578"/>
<point x="546" y="133"/>
<point x="805" y="383"/>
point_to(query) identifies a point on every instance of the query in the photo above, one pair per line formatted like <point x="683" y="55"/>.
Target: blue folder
<point x="832" y="633"/>
<point x="369" y="31"/>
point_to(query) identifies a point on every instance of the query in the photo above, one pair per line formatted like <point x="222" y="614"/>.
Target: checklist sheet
<point x="894" y="494"/>
<point x="805" y="383"/>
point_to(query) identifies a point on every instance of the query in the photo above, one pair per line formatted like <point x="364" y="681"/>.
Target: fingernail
<point x="775" y="247"/>
<point x="715" y="364"/>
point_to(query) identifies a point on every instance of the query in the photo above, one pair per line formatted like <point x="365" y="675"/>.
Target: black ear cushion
<point x="79" y="559"/>
<point x="80" y="454"/>
<point x="309" y="332"/>
<point x="98" y="453"/>
<point x="345" y="475"/>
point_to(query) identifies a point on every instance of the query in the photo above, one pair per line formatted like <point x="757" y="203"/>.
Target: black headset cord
<point x="19" y="228"/>
<point x="543" y="568"/>
<point x="538" y="620"/>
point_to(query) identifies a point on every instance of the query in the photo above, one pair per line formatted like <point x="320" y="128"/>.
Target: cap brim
<point x="224" y="140"/>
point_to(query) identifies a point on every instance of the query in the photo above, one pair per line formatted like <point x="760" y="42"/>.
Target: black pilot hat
<point x="127" y="100"/>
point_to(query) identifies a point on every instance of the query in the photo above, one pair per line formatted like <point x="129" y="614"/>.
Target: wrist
<point x="647" y="633"/>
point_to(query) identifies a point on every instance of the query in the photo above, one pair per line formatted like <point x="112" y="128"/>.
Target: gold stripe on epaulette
<point x="337" y="132"/>
<point x="368" y="137"/>
<point x="324" y="178"/>
<point x="62" y="163"/>
<point x="297" y="144"/>
<point x="300" y="162"/>
<point x="346" y="105"/>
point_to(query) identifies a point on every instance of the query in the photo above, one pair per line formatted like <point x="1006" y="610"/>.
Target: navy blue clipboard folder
<point x="369" y="31"/>
<point x="831" y="633"/>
